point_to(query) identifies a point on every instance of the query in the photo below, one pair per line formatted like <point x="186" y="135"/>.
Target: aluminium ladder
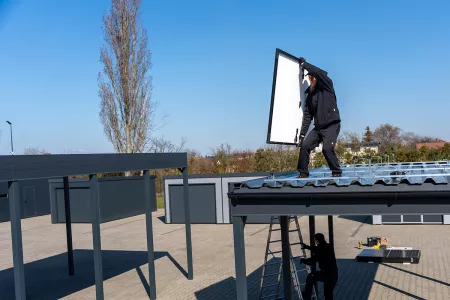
<point x="272" y="268"/>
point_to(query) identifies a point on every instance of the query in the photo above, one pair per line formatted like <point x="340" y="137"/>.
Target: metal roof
<point x="410" y="173"/>
<point x="21" y="167"/>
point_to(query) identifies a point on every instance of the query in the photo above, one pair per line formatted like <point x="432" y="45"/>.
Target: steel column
<point x="150" y="247"/>
<point x="331" y="231"/>
<point x="96" y="237"/>
<point x="187" y="217"/>
<point x="68" y="226"/>
<point x="16" y="236"/>
<point x="239" y="258"/>
<point x="286" y="254"/>
<point x="312" y="232"/>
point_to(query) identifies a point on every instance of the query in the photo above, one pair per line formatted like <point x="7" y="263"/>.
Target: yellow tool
<point x="377" y="246"/>
<point x="360" y="245"/>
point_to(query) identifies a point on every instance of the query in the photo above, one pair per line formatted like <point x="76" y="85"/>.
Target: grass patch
<point x="160" y="201"/>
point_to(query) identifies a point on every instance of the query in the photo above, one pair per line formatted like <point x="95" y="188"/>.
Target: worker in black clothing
<point x="321" y="105"/>
<point x="323" y="253"/>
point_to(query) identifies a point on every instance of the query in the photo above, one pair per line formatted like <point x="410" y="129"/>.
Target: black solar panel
<point x="389" y="256"/>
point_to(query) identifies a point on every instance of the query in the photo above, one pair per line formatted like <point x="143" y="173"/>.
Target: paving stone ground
<point x="126" y="272"/>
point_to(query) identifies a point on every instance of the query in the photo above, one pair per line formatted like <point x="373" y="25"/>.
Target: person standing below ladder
<point x="323" y="253"/>
<point x="321" y="105"/>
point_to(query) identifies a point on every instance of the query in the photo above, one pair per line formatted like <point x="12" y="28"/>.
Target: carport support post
<point x="68" y="225"/>
<point x="331" y="231"/>
<point x="150" y="247"/>
<point x="312" y="232"/>
<point x="239" y="258"/>
<point x="16" y="236"/>
<point x="96" y="238"/>
<point x="187" y="217"/>
<point x="286" y="257"/>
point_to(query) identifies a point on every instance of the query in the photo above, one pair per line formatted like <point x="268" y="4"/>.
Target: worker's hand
<point x="300" y="141"/>
<point x="303" y="245"/>
<point x="302" y="260"/>
<point x="301" y="60"/>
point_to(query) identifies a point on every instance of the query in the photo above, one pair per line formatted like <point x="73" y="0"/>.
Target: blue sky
<point x="213" y="66"/>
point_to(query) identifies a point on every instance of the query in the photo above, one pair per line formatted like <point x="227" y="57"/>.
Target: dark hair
<point x="320" y="238"/>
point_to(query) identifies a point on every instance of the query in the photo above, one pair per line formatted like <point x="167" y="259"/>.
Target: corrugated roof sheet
<point x="411" y="173"/>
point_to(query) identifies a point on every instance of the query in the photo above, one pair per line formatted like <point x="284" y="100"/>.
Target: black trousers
<point x="326" y="135"/>
<point x="329" y="282"/>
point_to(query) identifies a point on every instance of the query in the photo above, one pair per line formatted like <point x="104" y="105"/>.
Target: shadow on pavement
<point x="48" y="278"/>
<point x="355" y="281"/>
<point x="360" y="219"/>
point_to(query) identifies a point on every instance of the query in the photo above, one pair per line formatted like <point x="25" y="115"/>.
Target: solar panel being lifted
<point x="411" y="173"/>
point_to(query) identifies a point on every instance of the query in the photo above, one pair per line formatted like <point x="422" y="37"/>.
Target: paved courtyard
<point x="126" y="272"/>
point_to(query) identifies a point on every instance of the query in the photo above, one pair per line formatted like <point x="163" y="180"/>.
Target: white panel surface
<point x="376" y="220"/>
<point x="287" y="94"/>
<point x="446" y="219"/>
<point x="225" y="201"/>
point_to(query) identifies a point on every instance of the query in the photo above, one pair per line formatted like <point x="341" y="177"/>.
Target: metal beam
<point x="331" y="231"/>
<point x="312" y="232"/>
<point x="286" y="257"/>
<point x="16" y="236"/>
<point x="424" y="206"/>
<point x="150" y="247"/>
<point x="312" y="242"/>
<point x="187" y="217"/>
<point x="68" y="226"/>
<point x="239" y="258"/>
<point x="96" y="237"/>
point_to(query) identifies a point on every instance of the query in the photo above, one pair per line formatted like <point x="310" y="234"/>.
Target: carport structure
<point x="16" y="168"/>
<point x="381" y="189"/>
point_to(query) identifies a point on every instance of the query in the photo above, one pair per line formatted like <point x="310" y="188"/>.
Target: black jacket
<point x="320" y="104"/>
<point x="324" y="255"/>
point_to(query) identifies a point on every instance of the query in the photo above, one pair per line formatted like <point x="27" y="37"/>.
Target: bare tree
<point x="350" y="140"/>
<point x="127" y="111"/>
<point x="160" y="145"/>
<point x="388" y="136"/>
<point x="410" y="139"/>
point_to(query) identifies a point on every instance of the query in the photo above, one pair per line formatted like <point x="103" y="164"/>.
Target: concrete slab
<point x="126" y="272"/>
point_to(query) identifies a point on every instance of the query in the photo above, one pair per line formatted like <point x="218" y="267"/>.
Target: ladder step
<point x="275" y="252"/>
<point x="293" y="244"/>
<point x="269" y="285"/>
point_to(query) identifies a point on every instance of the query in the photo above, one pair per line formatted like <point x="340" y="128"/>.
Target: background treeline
<point x="390" y="139"/>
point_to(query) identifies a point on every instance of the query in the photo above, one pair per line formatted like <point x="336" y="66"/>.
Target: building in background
<point x="362" y="148"/>
<point x="431" y="145"/>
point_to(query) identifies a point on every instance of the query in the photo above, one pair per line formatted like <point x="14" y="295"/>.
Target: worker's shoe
<point x="336" y="174"/>
<point x="303" y="175"/>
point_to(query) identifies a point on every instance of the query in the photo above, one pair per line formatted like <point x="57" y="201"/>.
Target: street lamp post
<point x="12" y="145"/>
